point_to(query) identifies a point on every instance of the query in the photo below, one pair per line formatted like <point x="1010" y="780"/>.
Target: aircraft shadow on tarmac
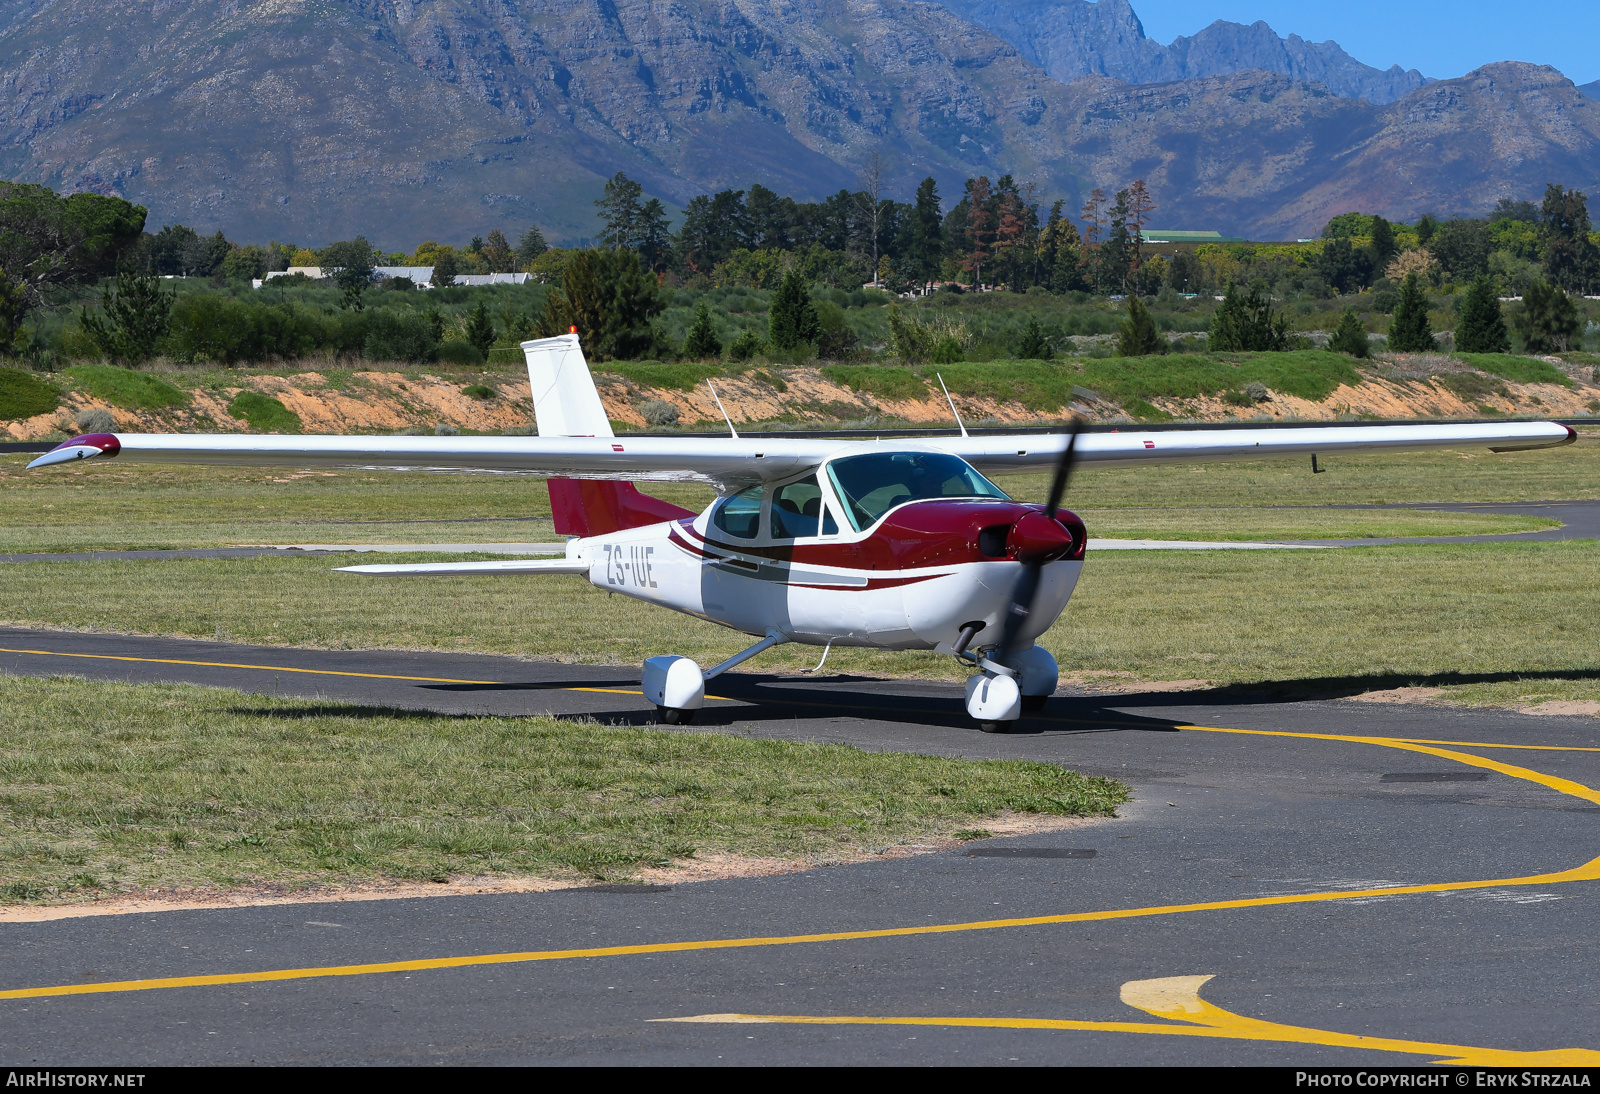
<point x="765" y="698"/>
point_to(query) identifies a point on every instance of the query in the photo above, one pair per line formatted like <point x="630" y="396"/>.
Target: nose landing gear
<point x="1000" y="694"/>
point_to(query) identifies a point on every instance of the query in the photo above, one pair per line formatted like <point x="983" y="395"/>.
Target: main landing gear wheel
<point x="996" y="727"/>
<point x="674" y="717"/>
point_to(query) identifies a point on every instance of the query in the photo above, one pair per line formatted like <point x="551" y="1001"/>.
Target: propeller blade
<point x="1058" y="485"/>
<point x="1026" y="589"/>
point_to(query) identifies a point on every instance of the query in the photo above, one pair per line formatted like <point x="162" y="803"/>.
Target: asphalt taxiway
<point x="1297" y="882"/>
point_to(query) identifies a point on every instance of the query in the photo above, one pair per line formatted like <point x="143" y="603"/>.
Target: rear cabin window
<point x="797" y="510"/>
<point x="740" y="515"/>
<point x="871" y="485"/>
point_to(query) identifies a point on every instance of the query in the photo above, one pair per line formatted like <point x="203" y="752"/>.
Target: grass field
<point x="112" y="787"/>
<point x="1297" y="620"/>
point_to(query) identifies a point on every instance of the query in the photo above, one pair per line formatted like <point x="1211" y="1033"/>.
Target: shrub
<point x="1138" y="336"/>
<point x="23" y="395"/>
<point x="746" y="346"/>
<point x="659" y="412"/>
<point x="946" y="351"/>
<point x="1033" y="345"/>
<point x="399" y="336"/>
<point x="478" y="391"/>
<point x="95" y="420"/>
<point x="1246" y="322"/>
<point x="264" y="413"/>
<point x="458" y="353"/>
<point x="1236" y="398"/>
<point x="125" y="388"/>
<point x="1258" y="392"/>
<point x="135" y="315"/>
<point x="444" y="430"/>
<point x="1350" y="336"/>
<point x="1548" y="320"/>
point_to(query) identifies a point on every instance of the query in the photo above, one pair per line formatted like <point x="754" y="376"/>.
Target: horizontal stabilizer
<point x="507" y="566"/>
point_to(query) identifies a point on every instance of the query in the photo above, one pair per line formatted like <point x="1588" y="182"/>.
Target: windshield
<point x="871" y="485"/>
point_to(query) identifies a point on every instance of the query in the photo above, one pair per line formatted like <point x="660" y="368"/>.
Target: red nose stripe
<point x="1037" y="538"/>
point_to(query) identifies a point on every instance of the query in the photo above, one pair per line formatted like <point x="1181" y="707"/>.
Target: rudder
<point x="567" y="404"/>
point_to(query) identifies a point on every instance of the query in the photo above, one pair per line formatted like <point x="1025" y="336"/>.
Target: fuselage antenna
<point x="720" y="407"/>
<point x="952" y="402"/>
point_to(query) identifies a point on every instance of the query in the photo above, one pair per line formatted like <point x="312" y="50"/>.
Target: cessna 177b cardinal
<point x="893" y="544"/>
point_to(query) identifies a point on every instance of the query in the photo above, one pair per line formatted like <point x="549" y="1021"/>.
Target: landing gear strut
<point x="677" y="686"/>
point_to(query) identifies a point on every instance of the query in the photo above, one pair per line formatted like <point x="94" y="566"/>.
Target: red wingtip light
<point x="573" y="329"/>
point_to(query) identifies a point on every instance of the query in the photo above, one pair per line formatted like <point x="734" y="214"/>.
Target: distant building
<point x="1171" y="235"/>
<point x="422" y="276"/>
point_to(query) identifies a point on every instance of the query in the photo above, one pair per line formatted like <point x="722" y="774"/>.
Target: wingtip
<point x="80" y="448"/>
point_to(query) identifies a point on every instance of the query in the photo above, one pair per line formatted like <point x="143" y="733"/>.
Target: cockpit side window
<point x="740" y="515"/>
<point x="870" y="485"/>
<point x="796" y="509"/>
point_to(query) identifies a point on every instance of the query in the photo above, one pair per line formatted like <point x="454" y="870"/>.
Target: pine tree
<point x="702" y="342"/>
<point x="1383" y="248"/>
<point x="1409" y="330"/>
<point x="1034" y="346"/>
<point x="1350" y="336"/>
<point x="1139" y="336"/>
<point x="480" y="330"/>
<point x="1548" y="321"/>
<point x="530" y="246"/>
<point x="136" y="314"/>
<point x="792" y="319"/>
<point x="1481" y="328"/>
<point x="1227" y="332"/>
<point x="1245" y="323"/>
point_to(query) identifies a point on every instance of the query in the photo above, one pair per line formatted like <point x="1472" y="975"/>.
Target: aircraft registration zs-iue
<point x="892" y="544"/>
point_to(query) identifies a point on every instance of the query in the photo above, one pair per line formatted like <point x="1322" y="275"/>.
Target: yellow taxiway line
<point x="1178" y="998"/>
<point x="308" y="672"/>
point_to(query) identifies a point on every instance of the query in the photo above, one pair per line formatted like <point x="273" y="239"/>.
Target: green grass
<point x="1259" y="617"/>
<point x="264" y="413"/>
<point x="24" y="395"/>
<point x="125" y="388"/>
<point x="1046" y="386"/>
<point x="883" y="381"/>
<point x="113" y="787"/>
<point x="682" y="376"/>
<point x="1522" y="370"/>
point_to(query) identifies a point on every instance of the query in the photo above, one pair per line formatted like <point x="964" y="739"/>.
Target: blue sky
<point x="1443" y="38"/>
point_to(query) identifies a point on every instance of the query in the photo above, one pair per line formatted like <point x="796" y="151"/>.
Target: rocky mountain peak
<point x="1071" y="39"/>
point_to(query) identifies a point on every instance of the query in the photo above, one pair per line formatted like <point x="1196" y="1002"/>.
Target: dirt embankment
<point x="382" y="401"/>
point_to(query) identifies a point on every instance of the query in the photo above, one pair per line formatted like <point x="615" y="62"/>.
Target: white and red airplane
<point x="892" y="544"/>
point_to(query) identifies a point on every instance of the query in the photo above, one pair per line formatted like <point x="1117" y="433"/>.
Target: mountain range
<point x="1074" y="38"/>
<point x="311" y="120"/>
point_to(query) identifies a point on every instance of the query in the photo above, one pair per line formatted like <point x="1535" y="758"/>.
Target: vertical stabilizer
<point x="565" y="402"/>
